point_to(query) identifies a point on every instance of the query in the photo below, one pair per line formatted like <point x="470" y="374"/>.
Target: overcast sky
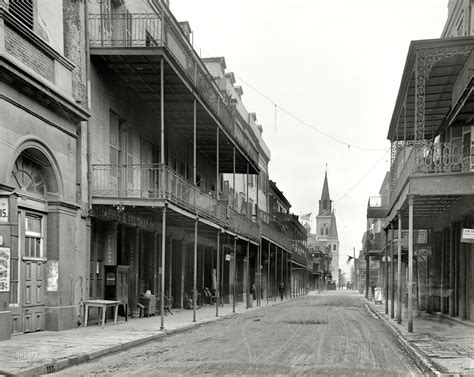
<point x="334" y="65"/>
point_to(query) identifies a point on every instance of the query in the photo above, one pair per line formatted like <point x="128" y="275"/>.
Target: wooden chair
<point x="168" y="304"/>
<point x="210" y="299"/>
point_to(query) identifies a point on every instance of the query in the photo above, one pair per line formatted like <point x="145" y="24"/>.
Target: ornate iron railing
<point x="158" y="181"/>
<point x="432" y="158"/>
<point x="428" y="158"/>
<point x="143" y="30"/>
<point x="272" y="228"/>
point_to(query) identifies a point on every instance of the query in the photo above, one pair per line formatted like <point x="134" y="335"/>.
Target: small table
<point x="101" y="304"/>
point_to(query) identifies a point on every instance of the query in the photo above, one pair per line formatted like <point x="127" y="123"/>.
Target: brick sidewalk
<point x="47" y="351"/>
<point x="438" y="344"/>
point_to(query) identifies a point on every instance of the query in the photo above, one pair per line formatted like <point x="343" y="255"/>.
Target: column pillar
<point x="218" y="272"/>
<point x="392" y="273"/>
<point x="163" y="250"/>
<point x="195" y="270"/>
<point x="410" y="263"/>
<point x="399" y="269"/>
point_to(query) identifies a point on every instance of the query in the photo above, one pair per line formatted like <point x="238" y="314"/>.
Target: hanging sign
<point x="4" y="269"/>
<point x="467" y="235"/>
<point x="4" y="210"/>
<point x="110" y="255"/>
<point x="227" y="257"/>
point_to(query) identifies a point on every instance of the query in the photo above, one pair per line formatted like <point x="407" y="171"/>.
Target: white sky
<point x="335" y="65"/>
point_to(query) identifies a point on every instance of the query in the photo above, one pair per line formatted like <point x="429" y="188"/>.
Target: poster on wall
<point x="4" y="269"/>
<point x="4" y="210"/>
<point x="52" y="271"/>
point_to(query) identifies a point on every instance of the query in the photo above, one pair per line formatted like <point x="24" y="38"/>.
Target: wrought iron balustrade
<point x="441" y="157"/>
<point x="159" y="182"/>
<point x="143" y="30"/>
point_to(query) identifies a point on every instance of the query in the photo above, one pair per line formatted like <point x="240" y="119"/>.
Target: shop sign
<point x="111" y="213"/>
<point x="110" y="257"/>
<point x="4" y="210"/>
<point x="467" y="235"/>
<point x="52" y="268"/>
<point x="4" y="269"/>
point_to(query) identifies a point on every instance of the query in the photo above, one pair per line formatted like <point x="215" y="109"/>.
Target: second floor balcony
<point x="151" y="185"/>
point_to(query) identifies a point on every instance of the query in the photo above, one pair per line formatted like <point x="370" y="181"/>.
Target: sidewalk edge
<point x="421" y="360"/>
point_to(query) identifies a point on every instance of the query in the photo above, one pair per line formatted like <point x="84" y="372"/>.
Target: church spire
<point x="325" y="202"/>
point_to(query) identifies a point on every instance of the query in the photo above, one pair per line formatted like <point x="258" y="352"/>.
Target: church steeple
<point x="325" y="207"/>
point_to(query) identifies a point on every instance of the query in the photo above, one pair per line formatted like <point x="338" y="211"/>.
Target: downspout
<point x="88" y="88"/>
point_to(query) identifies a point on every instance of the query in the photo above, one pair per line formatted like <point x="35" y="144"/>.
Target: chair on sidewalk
<point x="168" y="304"/>
<point x="209" y="298"/>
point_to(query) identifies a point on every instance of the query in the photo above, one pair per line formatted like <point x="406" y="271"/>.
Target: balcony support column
<point x="275" y="286"/>
<point x="163" y="254"/>
<point x="410" y="263"/>
<point x="233" y="179"/>
<point x="392" y="273"/>
<point x="386" y="271"/>
<point x="162" y="111"/>
<point x="234" y="265"/>
<point x="268" y="269"/>
<point x="247" y="275"/>
<point x="170" y="272"/>
<point x="194" y="144"/>
<point x="218" y="271"/>
<point x="195" y="269"/>
<point x="218" y="178"/>
<point x="399" y="269"/>
<point x="249" y="210"/>
<point x="259" y="273"/>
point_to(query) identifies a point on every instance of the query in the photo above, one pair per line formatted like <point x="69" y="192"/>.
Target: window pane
<point x="33" y="224"/>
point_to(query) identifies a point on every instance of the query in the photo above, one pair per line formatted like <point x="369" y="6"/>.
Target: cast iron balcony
<point x="152" y="184"/>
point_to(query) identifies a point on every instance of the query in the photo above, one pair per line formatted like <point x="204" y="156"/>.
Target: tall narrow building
<point x="326" y="228"/>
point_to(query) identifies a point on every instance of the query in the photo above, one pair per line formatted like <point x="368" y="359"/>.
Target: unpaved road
<point x="328" y="334"/>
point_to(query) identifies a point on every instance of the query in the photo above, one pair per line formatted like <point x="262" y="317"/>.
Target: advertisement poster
<point x="4" y="269"/>
<point x="4" y="210"/>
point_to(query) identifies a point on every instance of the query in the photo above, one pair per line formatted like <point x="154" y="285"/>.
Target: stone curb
<point x="421" y="360"/>
<point x="67" y="362"/>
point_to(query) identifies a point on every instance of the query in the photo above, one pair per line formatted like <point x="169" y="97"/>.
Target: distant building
<point x="326" y="228"/>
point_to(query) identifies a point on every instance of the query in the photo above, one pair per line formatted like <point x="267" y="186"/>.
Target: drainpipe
<point x="88" y="88"/>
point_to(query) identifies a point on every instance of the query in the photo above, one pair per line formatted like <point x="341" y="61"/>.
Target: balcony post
<point x="218" y="178"/>
<point x="170" y="276"/>
<point x="386" y="271"/>
<point x="399" y="269"/>
<point x="268" y="269"/>
<point x="163" y="254"/>
<point x="194" y="145"/>
<point x="162" y="129"/>
<point x="275" y="286"/>
<point x="392" y="273"/>
<point x="249" y="215"/>
<point x="247" y="275"/>
<point x="233" y="179"/>
<point x="218" y="271"/>
<point x="410" y="263"/>
<point x="195" y="269"/>
<point x="234" y="265"/>
<point x="259" y="272"/>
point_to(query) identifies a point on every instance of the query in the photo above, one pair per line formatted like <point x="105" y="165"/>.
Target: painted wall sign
<point x="111" y="213"/>
<point x="52" y="273"/>
<point x="467" y="235"/>
<point x="4" y="269"/>
<point x="4" y="210"/>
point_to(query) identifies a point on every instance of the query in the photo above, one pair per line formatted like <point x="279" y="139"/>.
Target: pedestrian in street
<point x="372" y="289"/>
<point x="253" y="289"/>
<point x="282" y="290"/>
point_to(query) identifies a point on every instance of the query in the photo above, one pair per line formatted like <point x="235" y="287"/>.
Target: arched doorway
<point x="35" y="181"/>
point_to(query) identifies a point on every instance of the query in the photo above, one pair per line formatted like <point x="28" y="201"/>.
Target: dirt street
<point x="331" y="334"/>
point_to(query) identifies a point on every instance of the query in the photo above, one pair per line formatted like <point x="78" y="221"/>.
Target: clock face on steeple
<point x="28" y="175"/>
